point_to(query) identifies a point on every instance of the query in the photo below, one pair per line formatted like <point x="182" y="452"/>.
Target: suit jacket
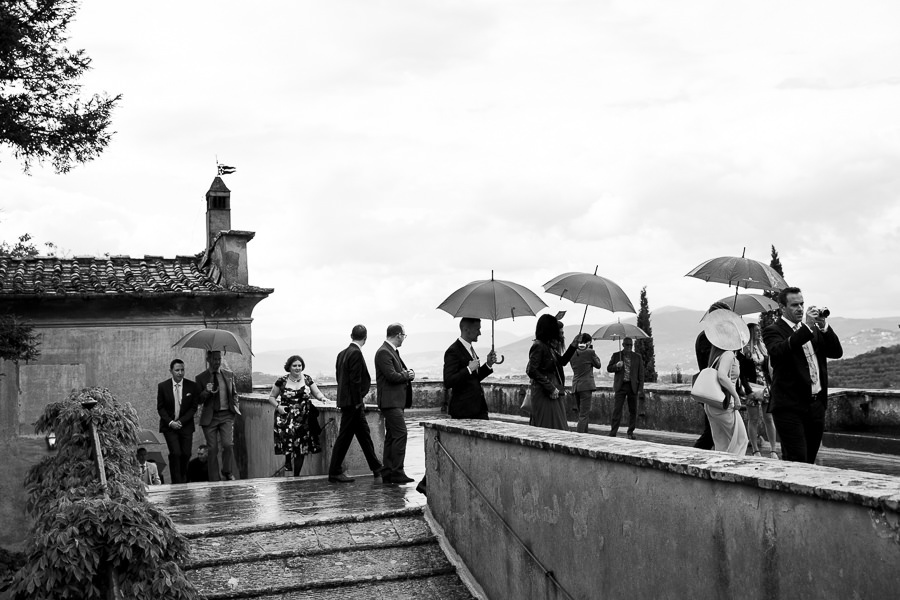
<point x="149" y="474"/>
<point x="210" y="402"/>
<point x="392" y="385"/>
<point x="583" y="363"/>
<point x="466" y="396"/>
<point x="791" y="384"/>
<point x="353" y="379"/>
<point x="637" y="371"/>
<point x="165" y="405"/>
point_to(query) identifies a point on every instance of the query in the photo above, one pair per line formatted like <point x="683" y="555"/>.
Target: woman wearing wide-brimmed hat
<point x="727" y="332"/>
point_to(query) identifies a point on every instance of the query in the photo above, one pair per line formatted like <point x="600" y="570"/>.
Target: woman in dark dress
<point x="545" y="369"/>
<point x="297" y="430"/>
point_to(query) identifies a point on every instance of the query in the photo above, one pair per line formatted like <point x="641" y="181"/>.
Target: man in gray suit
<point x="219" y="399"/>
<point x="394" y="392"/>
<point x="353" y="382"/>
<point x="628" y="382"/>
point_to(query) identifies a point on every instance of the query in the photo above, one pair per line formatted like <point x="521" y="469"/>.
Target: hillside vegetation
<point x="878" y="369"/>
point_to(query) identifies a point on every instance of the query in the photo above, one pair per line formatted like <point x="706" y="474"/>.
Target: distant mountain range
<point x="674" y="331"/>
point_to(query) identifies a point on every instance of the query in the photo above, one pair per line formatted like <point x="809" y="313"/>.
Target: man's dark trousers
<point x="800" y="431"/>
<point x="353" y="423"/>
<point x="179" y="443"/>
<point x="624" y="394"/>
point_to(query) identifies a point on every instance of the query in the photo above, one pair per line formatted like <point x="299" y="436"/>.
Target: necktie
<point x="223" y="392"/>
<point x="177" y="399"/>
<point x="811" y="362"/>
<point x="475" y="356"/>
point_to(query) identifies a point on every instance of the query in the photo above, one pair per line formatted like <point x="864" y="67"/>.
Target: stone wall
<point x="668" y="407"/>
<point x="262" y="461"/>
<point x="533" y="512"/>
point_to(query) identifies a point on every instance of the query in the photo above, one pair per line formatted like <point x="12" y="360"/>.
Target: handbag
<point x="706" y="388"/>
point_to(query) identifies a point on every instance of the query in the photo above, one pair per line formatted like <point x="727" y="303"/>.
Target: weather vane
<point x="224" y="169"/>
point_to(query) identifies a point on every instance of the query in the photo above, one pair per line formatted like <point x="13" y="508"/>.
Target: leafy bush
<point x="80" y="533"/>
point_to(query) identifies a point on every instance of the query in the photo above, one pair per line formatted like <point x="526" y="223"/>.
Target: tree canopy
<point x="43" y="116"/>
<point x="644" y="347"/>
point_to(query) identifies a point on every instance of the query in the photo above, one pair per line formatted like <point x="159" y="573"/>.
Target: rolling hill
<point x="674" y="331"/>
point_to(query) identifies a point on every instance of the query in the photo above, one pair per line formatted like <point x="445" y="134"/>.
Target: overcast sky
<point x="390" y="152"/>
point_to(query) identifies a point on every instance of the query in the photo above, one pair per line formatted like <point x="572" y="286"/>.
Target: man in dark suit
<point x="798" y="348"/>
<point x="394" y="392"/>
<point x="628" y="382"/>
<point x="218" y="397"/>
<point x="176" y="403"/>
<point x="353" y="382"/>
<point x="198" y="469"/>
<point x="463" y="373"/>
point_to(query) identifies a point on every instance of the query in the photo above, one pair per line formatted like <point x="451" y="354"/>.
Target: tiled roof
<point x="52" y="276"/>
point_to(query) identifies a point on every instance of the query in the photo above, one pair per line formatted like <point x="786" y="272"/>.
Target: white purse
<point x="706" y="388"/>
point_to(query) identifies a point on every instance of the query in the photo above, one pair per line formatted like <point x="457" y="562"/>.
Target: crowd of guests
<point x="777" y="376"/>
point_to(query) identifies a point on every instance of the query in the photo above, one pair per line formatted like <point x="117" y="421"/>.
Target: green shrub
<point x="81" y="533"/>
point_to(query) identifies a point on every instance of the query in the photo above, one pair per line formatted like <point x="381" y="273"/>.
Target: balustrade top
<point x="841" y="485"/>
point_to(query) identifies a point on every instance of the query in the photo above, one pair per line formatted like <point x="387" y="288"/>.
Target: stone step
<point x="352" y="570"/>
<point x="439" y="587"/>
<point x="337" y="535"/>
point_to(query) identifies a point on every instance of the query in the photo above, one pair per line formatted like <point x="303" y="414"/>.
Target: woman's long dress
<point x="546" y="374"/>
<point x="728" y="430"/>
<point x="294" y="431"/>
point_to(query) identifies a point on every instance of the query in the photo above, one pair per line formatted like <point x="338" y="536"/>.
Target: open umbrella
<point x="618" y="331"/>
<point x="492" y="299"/>
<point x="590" y="290"/>
<point x="213" y="339"/>
<point x="748" y="304"/>
<point x="739" y="272"/>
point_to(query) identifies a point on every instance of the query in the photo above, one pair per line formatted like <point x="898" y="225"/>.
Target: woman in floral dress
<point x="297" y="429"/>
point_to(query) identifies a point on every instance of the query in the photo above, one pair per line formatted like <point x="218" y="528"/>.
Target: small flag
<point x="226" y="170"/>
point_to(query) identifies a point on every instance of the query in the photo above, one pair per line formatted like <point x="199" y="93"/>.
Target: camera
<point x="823" y="312"/>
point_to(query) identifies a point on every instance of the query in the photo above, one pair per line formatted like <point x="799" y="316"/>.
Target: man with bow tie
<point x="798" y="348"/>
<point x="176" y="403"/>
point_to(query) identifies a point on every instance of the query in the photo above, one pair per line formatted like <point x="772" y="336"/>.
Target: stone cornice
<point x="839" y="485"/>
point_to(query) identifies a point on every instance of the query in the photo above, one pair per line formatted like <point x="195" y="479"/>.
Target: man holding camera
<point x="798" y="345"/>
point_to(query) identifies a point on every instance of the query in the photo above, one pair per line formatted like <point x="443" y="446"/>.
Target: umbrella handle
<point x="500" y="360"/>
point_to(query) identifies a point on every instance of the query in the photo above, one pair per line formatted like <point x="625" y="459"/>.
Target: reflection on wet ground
<point x="268" y="502"/>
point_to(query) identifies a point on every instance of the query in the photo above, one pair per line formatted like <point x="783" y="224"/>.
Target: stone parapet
<point x="534" y="504"/>
<point x="258" y="423"/>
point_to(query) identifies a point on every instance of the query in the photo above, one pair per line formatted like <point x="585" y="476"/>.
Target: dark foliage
<point x="645" y="347"/>
<point x="82" y="531"/>
<point x="877" y="369"/>
<point x="42" y="114"/>
<point x="18" y="341"/>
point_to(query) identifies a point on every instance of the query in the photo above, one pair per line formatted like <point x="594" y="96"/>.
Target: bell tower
<point x="218" y="210"/>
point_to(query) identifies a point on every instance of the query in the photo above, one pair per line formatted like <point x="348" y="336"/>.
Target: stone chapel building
<point x="111" y="322"/>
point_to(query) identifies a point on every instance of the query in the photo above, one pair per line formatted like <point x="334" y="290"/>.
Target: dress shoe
<point x="631" y="436"/>
<point x="421" y="488"/>
<point x="379" y="472"/>
<point x="401" y="478"/>
<point x="387" y="479"/>
<point x="340" y="478"/>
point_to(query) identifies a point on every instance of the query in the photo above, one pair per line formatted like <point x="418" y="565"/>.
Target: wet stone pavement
<point x="292" y="538"/>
